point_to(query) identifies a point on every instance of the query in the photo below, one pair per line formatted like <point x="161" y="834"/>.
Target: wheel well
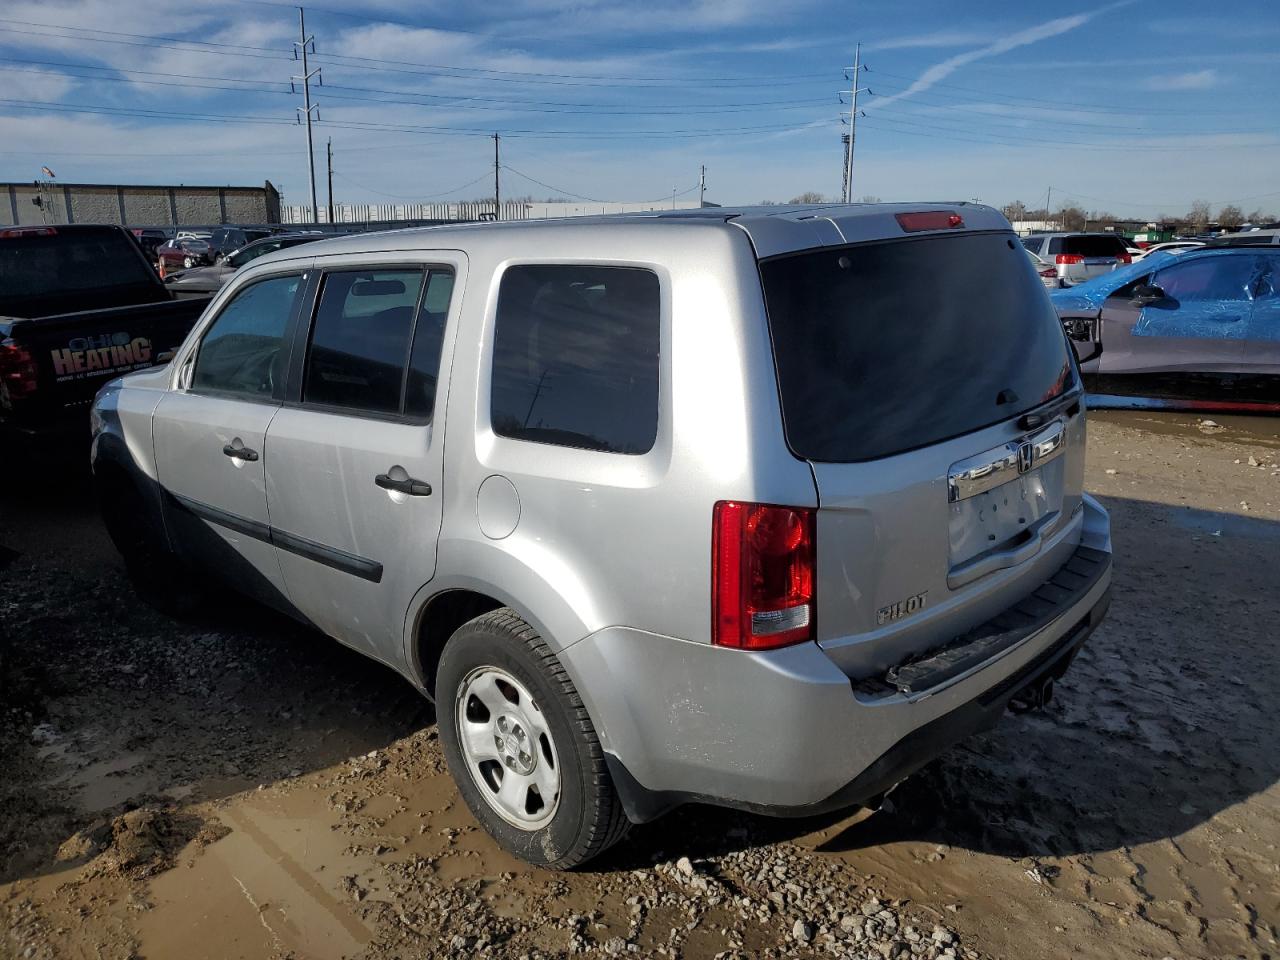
<point x="445" y="613"/>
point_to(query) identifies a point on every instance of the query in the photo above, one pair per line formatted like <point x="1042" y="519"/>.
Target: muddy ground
<point x="234" y="786"/>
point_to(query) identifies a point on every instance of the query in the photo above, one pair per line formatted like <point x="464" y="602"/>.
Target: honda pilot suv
<point x="1079" y="256"/>
<point x="761" y="508"/>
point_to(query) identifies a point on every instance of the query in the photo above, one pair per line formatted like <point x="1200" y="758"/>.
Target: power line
<point x="578" y="196"/>
<point x="396" y="196"/>
<point x="933" y="132"/>
<point x="687" y="133"/>
<point x="139" y="43"/>
<point x="998" y="95"/>
<point x="455" y="71"/>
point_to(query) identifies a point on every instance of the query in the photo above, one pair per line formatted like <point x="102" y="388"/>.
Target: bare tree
<point x="1230" y="217"/>
<point x="869" y="198"/>
<point x="1014" y="211"/>
<point x="809" y="196"/>
<point x="1258" y="218"/>
<point x="1072" y="218"/>
<point x="1198" y="218"/>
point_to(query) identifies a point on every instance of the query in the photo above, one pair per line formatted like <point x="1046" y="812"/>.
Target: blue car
<point x="1201" y="320"/>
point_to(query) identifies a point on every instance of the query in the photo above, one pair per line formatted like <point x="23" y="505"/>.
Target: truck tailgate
<point x="74" y="354"/>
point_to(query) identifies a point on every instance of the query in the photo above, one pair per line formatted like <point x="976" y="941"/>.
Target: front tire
<point x="521" y="747"/>
<point x="159" y="577"/>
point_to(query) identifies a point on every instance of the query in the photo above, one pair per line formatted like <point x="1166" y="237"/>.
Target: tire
<point x="585" y="817"/>
<point x="159" y="577"/>
<point x="188" y="263"/>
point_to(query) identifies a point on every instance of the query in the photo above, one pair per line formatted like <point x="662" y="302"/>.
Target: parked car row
<point x="209" y="279"/>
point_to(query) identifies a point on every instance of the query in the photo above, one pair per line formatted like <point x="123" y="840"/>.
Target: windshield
<point x="889" y="346"/>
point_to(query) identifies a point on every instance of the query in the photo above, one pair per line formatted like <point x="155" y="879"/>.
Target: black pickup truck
<point x="79" y="305"/>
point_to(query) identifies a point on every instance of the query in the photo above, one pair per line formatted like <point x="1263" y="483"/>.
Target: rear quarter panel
<point x="610" y="539"/>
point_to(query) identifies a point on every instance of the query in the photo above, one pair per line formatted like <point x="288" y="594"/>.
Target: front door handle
<point x="414" y="488"/>
<point x="240" y="453"/>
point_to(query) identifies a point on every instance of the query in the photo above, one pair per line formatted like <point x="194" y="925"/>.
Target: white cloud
<point x="937" y="38"/>
<point x="940" y="71"/>
<point x="1191" y="80"/>
<point x="29" y="83"/>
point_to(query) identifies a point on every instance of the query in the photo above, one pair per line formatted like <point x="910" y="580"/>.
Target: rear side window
<point x="575" y="357"/>
<point x="375" y="341"/>
<point x="360" y="339"/>
<point x="885" y="347"/>
<point x="1094" y="246"/>
<point x="37" y="265"/>
<point x="241" y="352"/>
<point x="1032" y="244"/>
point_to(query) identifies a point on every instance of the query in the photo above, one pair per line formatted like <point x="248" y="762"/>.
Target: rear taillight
<point x="1124" y="258"/>
<point x="17" y="371"/>
<point x="28" y="232"/>
<point x="1068" y="258"/>
<point x="762" y="575"/>
<point x="929" y="220"/>
<point x="1048" y="272"/>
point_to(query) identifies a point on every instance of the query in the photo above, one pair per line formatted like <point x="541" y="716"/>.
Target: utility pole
<point x="854" y="90"/>
<point x="1048" y="206"/>
<point x="497" y="197"/>
<point x="307" y="107"/>
<point x="702" y="187"/>
<point x="330" y="156"/>
<point x="844" y="168"/>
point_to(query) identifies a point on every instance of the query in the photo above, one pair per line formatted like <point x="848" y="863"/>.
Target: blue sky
<point x="1132" y="107"/>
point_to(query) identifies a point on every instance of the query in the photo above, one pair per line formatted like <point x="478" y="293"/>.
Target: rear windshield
<point x="52" y="269"/>
<point x="890" y="346"/>
<point x="1094" y="246"/>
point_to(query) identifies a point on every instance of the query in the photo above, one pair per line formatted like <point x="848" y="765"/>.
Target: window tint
<point x="885" y="347"/>
<point x="1094" y="246"/>
<point x="1208" y="278"/>
<point x="428" y="336"/>
<point x="360" y="339"/>
<point x="242" y="351"/>
<point x="1032" y="244"/>
<point x="38" y="265"/>
<point x="1055" y="244"/>
<point x="575" y="357"/>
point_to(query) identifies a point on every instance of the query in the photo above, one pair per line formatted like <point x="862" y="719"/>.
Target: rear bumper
<point x="786" y="732"/>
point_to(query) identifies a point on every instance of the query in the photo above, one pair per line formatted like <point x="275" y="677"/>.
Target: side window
<point x="1032" y="244"/>
<point x="360" y="339"/>
<point x="1208" y="278"/>
<point x="428" y="337"/>
<point x="575" y="357"/>
<point x="242" y="351"/>
<point x="1055" y="245"/>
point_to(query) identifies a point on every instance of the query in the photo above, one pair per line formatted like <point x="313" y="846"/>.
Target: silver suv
<point x="1079" y="256"/>
<point x="762" y="508"/>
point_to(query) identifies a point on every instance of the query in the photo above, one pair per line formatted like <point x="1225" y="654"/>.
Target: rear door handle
<point x="414" y="488"/>
<point x="240" y="453"/>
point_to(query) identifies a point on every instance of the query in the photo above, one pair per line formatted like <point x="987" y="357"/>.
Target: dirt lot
<point x="238" y="787"/>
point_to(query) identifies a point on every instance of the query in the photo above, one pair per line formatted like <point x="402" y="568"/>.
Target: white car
<point x="1170" y="246"/>
<point x="1048" y="272"/>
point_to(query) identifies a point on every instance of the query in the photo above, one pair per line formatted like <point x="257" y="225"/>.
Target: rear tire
<point x="493" y="734"/>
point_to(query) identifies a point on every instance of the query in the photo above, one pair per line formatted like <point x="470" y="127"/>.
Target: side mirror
<point x="1145" y="294"/>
